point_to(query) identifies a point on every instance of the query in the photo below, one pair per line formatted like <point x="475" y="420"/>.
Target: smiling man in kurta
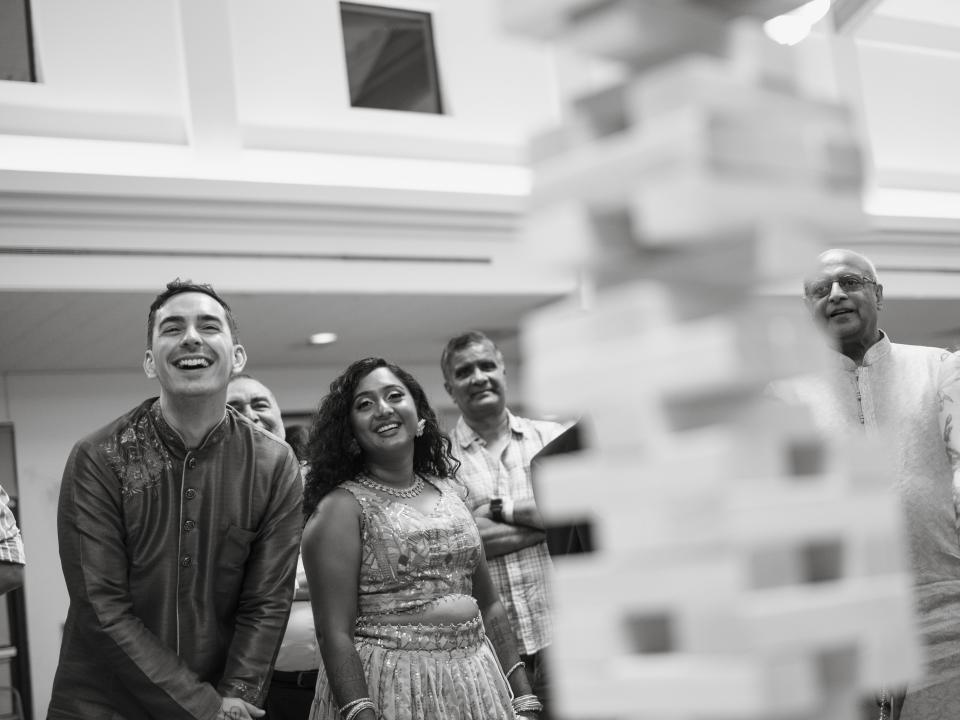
<point x="179" y="525"/>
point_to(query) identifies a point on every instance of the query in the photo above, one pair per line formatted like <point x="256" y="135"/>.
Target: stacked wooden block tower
<point x="744" y="567"/>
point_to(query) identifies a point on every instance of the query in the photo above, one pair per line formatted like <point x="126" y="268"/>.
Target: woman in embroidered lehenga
<point x="409" y="624"/>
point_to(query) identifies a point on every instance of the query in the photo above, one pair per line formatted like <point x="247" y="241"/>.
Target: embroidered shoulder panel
<point x="137" y="457"/>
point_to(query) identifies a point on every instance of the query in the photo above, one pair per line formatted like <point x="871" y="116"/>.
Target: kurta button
<point x="186" y="561"/>
<point x="192" y="463"/>
<point x="189" y="525"/>
<point x="190" y="494"/>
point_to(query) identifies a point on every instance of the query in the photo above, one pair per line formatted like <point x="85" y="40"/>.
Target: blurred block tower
<point x="745" y="567"/>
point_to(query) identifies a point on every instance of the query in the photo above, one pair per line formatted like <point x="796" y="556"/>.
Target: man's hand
<point x="522" y="513"/>
<point x="483" y="511"/>
<point x="237" y="709"/>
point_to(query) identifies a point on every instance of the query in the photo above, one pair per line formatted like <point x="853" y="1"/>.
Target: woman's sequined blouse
<point x="411" y="559"/>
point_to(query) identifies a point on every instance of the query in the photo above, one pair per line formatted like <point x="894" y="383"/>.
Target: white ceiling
<point x="82" y="331"/>
<point x="70" y="331"/>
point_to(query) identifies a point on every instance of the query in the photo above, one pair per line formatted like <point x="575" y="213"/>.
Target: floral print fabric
<point x="411" y="559"/>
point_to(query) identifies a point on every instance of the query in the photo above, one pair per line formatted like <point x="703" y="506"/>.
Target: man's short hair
<point x="867" y="263"/>
<point x="459" y="342"/>
<point x="859" y="256"/>
<point x="177" y="287"/>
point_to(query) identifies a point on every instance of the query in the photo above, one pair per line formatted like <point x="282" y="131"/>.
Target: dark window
<point x="391" y="62"/>
<point x="16" y="45"/>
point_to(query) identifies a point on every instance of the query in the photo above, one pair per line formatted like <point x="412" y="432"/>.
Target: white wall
<point x="108" y="69"/>
<point x="232" y="81"/>
<point x="4" y="409"/>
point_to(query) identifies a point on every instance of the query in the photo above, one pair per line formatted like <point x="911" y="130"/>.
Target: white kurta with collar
<point x="909" y="397"/>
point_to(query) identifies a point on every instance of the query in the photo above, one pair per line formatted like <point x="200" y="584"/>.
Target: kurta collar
<point x="875" y="353"/>
<point x="171" y="438"/>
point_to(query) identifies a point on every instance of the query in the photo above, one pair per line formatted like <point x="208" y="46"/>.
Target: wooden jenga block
<point x="755" y="58"/>
<point x="588" y="118"/>
<point x="573" y="235"/>
<point x="689" y="687"/>
<point x="644" y="34"/>
<point x="706" y="82"/>
<point x="819" y="145"/>
<point x="606" y="243"/>
<point x="637" y="614"/>
<point x="544" y="19"/>
<point x="830" y="614"/>
<point x="614" y="313"/>
<point x="549" y="19"/>
<point x="633" y="636"/>
<point x="742" y="564"/>
<point x="694" y="201"/>
<point x="601" y="174"/>
<point x="806" y="511"/>
<point x="747" y="349"/>
<point x="734" y="178"/>
<point x="646" y="507"/>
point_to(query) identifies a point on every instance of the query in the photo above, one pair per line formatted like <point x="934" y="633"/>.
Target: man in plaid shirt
<point x="11" y="547"/>
<point x="494" y="448"/>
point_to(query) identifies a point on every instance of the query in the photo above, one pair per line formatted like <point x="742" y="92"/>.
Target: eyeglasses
<point x="848" y="283"/>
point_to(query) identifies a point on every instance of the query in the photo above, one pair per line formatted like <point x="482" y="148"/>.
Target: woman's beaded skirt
<point x="425" y="672"/>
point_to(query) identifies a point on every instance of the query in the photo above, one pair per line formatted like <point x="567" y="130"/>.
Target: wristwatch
<point x="496" y="509"/>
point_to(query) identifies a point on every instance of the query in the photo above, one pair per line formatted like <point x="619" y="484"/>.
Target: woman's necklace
<point x="408" y="492"/>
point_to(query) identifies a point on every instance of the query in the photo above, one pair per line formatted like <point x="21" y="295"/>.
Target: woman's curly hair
<point x="332" y="452"/>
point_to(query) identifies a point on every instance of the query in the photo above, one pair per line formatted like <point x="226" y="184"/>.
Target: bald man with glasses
<point x="907" y="396"/>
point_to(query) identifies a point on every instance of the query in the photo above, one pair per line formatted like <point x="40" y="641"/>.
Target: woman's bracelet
<point x="355" y="707"/>
<point x="350" y="704"/>
<point x="518" y="664"/>
<point x="359" y="708"/>
<point x="527" y="703"/>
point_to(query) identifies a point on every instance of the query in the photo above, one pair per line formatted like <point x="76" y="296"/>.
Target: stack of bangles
<point x="526" y="703"/>
<point x="355" y="707"/>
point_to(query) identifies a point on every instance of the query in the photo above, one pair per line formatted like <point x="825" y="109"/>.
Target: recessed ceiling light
<point x="323" y="338"/>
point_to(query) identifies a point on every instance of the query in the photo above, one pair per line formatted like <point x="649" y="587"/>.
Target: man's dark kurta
<point x="180" y="567"/>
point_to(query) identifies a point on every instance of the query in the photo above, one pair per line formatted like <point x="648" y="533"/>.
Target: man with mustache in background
<point x="495" y="448"/>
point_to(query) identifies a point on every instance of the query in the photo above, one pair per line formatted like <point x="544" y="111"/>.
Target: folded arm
<point x="501" y="537"/>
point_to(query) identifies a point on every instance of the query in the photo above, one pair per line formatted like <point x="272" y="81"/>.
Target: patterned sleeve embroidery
<point x="138" y="458"/>
<point x="949" y="388"/>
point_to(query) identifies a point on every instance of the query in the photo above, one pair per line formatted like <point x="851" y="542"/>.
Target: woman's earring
<point x="353" y="448"/>
<point x="421" y="424"/>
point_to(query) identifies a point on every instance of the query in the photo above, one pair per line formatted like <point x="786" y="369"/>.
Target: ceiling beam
<point x="849" y="14"/>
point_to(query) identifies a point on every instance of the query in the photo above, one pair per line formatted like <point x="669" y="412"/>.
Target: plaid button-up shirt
<point x="523" y="577"/>
<point x="11" y="544"/>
